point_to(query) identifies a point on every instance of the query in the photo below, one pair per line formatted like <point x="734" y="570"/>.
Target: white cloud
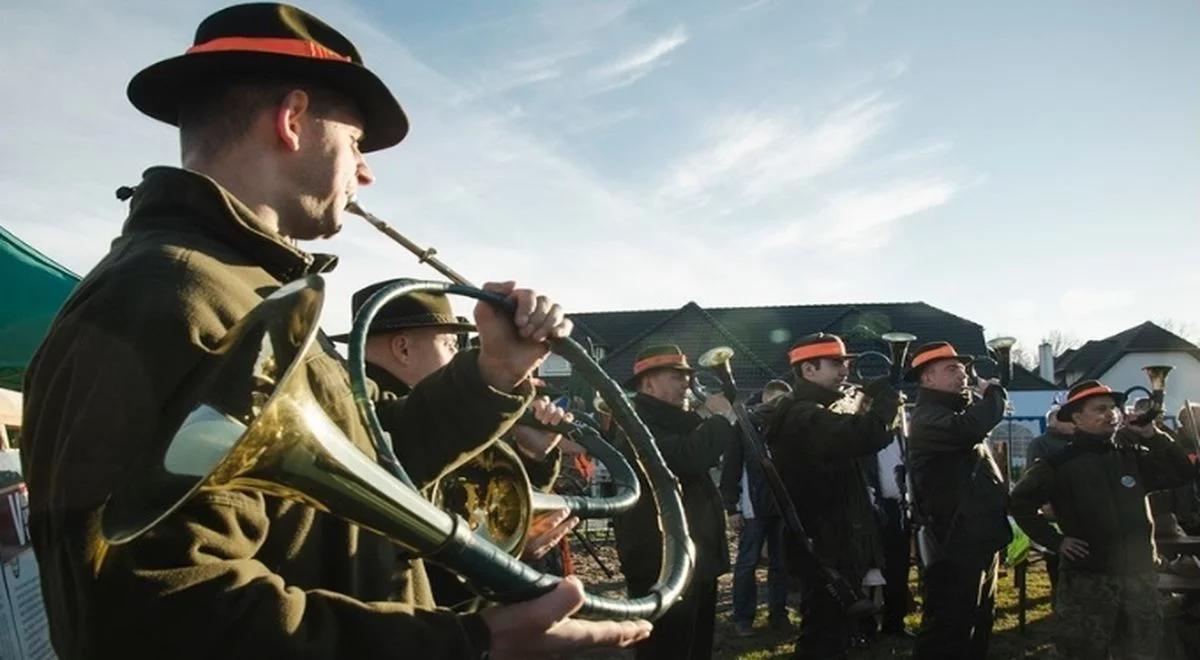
<point x="637" y="64"/>
<point x="856" y="220"/>
<point x="754" y="156"/>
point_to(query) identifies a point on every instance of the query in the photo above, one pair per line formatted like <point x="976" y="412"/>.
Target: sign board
<point x="24" y="634"/>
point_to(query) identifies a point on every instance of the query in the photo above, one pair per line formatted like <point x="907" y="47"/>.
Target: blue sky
<point x="1031" y="166"/>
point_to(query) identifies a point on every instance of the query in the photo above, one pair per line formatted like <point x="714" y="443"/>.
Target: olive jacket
<point x="231" y="574"/>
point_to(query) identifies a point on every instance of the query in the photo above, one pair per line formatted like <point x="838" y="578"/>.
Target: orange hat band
<point x="825" y="349"/>
<point x="658" y="361"/>
<point x="1091" y="391"/>
<point x="278" y="46"/>
<point x="936" y="354"/>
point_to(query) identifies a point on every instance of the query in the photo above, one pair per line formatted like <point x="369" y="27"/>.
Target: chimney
<point x="1046" y="361"/>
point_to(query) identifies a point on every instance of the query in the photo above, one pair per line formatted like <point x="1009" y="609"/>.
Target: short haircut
<point x="798" y="368"/>
<point x="221" y="112"/>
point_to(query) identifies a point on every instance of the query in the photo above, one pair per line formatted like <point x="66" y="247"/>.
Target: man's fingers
<point x="550" y="538"/>
<point x="582" y="634"/>
<point x="559" y="325"/>
<point x="550" y="519"/>
<point x="532" y="327"/>
<point x="503" y="288"/>
<point x="562" y="602"/>
<point x="526" y="301"/>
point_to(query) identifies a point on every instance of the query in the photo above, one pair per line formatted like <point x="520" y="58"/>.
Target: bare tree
<point x="1061" y="341"/>
<point x="1024" y="358"/>
<point x="1021" y="356"/>
<point x="1188" y="331"/>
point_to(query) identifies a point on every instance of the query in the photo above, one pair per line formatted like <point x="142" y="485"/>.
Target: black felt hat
<point x="271" y="40"/>
<point x="665" y="356"/>
<point x="414" y="310"/>
<point x="1083" y="391"/>
<point x="927" y="354"/>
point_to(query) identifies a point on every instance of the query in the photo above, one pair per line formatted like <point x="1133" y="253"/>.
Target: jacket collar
<point x="806" y="390"/>
<point x="1098" y="443"/>
<point x="386" y="381"/>
<point x="664" y="414"/>
<point x="178" y="200"/>
<point x="950" y="400"/>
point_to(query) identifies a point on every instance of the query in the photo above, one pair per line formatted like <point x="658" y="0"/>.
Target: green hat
<point x="927" y="354"/>
<point x="415" y="310"/>
<point x="270" y="40"/>
<point x="665" y="356"/>
<point x="1083" y="391"/>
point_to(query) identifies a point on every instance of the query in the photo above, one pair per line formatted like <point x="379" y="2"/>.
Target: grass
<point x="1007" y="641"/>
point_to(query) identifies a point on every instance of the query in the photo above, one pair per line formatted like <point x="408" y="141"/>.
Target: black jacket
<point x="736" y="459"/>
<point x="957" y="483"/>
<point x="816" y="449"/>
<point x="1045" y="445"/>
<point x="1098" y="489"/>
<point x="690" y="446"/>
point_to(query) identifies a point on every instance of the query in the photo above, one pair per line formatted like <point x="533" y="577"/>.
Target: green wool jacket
<point x="1098" y="490"/>
<point x="690" y="446"/>
<point x="232" y="574"/>
<point x="816" y="449"/>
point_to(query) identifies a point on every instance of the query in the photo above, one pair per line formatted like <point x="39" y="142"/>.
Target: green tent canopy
<point x="32" y="289"/>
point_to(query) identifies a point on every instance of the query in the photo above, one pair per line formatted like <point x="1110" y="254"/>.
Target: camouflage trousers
<point x="1098" y="615"/>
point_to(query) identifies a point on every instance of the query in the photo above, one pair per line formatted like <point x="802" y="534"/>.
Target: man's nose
<point x="365" y="176"/>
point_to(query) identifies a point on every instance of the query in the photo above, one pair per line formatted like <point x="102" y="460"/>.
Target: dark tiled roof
<point x="1026" y="380"/>
<point x="1096" y="357"/>
<point x="761" y="336"/>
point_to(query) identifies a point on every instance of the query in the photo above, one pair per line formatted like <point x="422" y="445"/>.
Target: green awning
<point x="32" y="289"/>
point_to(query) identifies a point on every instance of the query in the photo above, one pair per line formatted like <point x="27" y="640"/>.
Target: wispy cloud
<point x="755" y="156"/>
<point x="861" y="219"/>
<point x="637" y="64"/>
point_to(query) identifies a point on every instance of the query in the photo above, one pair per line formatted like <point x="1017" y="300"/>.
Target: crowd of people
<point x="275" y="111"/>
<point x="848" y="456"/>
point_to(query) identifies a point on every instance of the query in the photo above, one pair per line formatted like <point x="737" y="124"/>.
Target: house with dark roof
<point x="761" y="337"/>
<point x="1118" y="362"/>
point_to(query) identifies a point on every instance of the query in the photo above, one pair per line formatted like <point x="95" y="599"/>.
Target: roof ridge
<point x="737" y="342"/>
<point x="645" y="333"/>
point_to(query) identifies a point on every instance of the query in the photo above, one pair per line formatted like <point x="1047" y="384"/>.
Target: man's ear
<point x="398" y="346"/>
<point x="288" y="116"/>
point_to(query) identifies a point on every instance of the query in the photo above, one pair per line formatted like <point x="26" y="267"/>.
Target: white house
<point x="1117" y="361"/>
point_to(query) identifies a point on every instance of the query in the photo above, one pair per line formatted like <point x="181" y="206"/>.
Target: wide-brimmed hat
<point x="927" y="354"/>
<point x="665" y="356"/>
<point x="414" y="310"/>
<point x="272" y="41"/>
<point x="1083" y="391"/>
<point x="817" y="346"/>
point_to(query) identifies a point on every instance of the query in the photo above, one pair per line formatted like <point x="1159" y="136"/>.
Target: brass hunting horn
<point x="254" y="424"/>
<point x="1157" y="376"/>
